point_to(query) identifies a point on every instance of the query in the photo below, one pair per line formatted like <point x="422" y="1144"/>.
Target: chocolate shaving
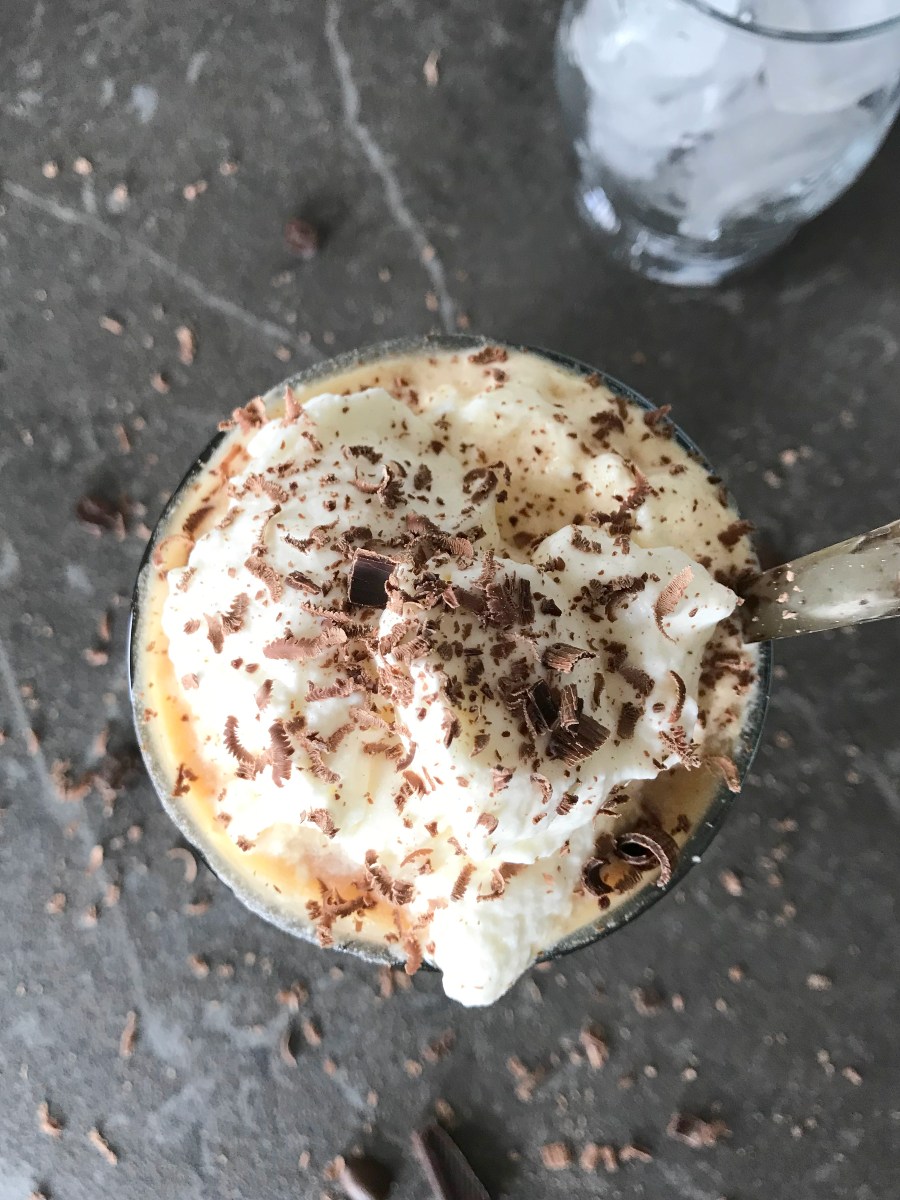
<point x="500" y="777"/>
<point x="302" y="583"/>
<point x="545" y="785"/>
<point x="676" y="742"/>
<point x="663" y="847"/>
<point x="509" y="602"/>
<point x="628" y="719"/>
<point x="322" y="818"/>
<point x="612" y="593"/>
<point x="215" y="631"/>
<point x="578" y="742"/>
<point x="333" y="691"/>
<point x="462" y="882"/>
<point x="233" y="620"/>
<point x="566" y="804"/>
<point x="422" y="479"/>
<point x="641" y="682"/>
<point x="542" y="708"/>
<point x="488" y="821"/>
<point x="369" y="575"/>
<point x="193" y="521"/>
<point x="296" y="649"/>
<point x="678" y="707"/>
<point x="183" y="780"/>
<point x="292" y="407"/>
<point x="281" y="751"/>
<point x="563" y="657"/>
<point x="568" y="706"/>
<point x="257" y="566"/>
<point x="233" y="743"/>
<point x="670" y="597"/>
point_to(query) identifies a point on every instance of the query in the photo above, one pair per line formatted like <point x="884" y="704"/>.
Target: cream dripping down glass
<point x="434" y="656"/>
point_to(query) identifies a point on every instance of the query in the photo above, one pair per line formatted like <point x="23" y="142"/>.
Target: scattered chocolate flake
<point x="233" y="620"/>
<point x="364" y="1178"/>
<point x="47" y="1123"/>
<point x="556" y="1156"/>
<point x="369" y="575"/>
<point x="732" y="535"/>
<point x="695" y="1131"/>
<point x="264" y="695"/>
<point x="188" y="682"/>
<point x="301" y="238"/>
<point x="128" y="1036"/>
<point x="509" y="602"/>
<point x="447" y="1171"/>
<point x="628" y="719"/>
<point x="663" y="847"/>
<point x="302" y="649"/>
<point x="681" y="687"/>
<point x="99" y="1142"/>
<point x="462" y="882"/>
<point x="728" y="769"/>
<point x="595" y="1047"/>
<point x="263" y="571"/>
<point x="489" y="354"/>
<point x="562" y="657"/>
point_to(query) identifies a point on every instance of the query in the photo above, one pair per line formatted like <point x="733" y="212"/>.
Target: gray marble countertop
<point x="765" y="991"/>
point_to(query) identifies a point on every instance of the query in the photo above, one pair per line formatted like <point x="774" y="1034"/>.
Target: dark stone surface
<point x="787" y="379"/>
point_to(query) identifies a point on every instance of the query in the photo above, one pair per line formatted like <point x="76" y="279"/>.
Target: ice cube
<point x="823" y="77"/>
<point x="763" y="160"/>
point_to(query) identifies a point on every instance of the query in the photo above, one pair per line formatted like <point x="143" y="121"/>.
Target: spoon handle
<point x="847" y="584"/>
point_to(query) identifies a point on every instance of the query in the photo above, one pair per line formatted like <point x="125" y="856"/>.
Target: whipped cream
<point x="435" y="642"/>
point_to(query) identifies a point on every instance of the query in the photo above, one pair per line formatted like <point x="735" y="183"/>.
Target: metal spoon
<point x="847" y="584"/>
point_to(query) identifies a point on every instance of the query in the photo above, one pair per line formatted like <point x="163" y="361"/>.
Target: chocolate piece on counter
<point x="364" y="1178"/>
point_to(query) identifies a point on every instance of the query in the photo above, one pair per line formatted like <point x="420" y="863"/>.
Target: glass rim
<point x="809" y="37"/>
<point x="257" y="900"/>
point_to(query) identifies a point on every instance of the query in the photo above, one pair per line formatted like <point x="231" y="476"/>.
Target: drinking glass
<point x="709" y="131"/>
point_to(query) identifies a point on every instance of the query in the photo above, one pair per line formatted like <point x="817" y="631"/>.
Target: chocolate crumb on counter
<point x="47" y="1122"/>
<point x="595" y="1047"/>
<point x="99" y="1142"/>
<point x="556" y="1156"/>
<point x="696" y="1132"/>
<point x="128" y="1036"/>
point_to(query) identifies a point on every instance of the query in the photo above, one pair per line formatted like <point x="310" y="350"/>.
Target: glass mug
<point x="709" y="131"/>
